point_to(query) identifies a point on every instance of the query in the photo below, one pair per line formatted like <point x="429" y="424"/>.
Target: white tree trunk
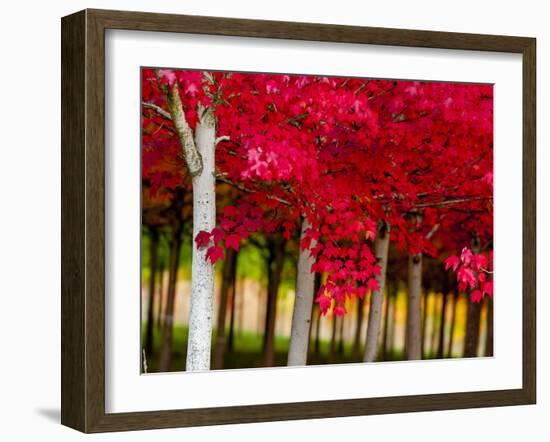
<point x="199" y="153"/>
<point x="185" y="133"/>
<point x="301" y="317"/>
<point x="381" y="246"/>
<point x="202" y="271"/>
<point x="414" y="313"/>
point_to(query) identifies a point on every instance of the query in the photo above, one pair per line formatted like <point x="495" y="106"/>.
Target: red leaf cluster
<point x="474" y="272"/>
<point x="345" y="153"/>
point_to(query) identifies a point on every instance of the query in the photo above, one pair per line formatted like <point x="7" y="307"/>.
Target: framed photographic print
<point x="268" y="221"/>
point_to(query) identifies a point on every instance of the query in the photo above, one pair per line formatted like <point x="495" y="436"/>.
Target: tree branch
<point x="185" y="133"/>
<point x="452" y="202"/>
<point x="222" y="138"/>
<point x="222" y="179"/>
<point x="435" y="228"/>
<point x="159" y="110"/>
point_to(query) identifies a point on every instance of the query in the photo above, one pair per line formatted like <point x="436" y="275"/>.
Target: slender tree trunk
<point x="317" y="338"/>
<point x="332" y="350"/>
<point x="341" y="337"/>
<point x="442" y="325"/>
<point x="315" y="317"/>
<point x="393" y="323"/>
<point x="153" y="264"/>
<point x="227" y="283"/>
<point x="275" y="268"/>
<point x="453" y="324"/>
<point x="310" y="325"/>
<point x="241" y="304"/>
<point x="381" y="247"/>
<point x="270" y="306"/>
<point x="311" y="322"/>
<point x="472" y="329"/>
<point x="202" y="270"/>
<point x="303" y="303"/>
<point x="436" y="322"/>
<point x="425" y="300"/>
<point x="414" y="313"/>
<point x="317" y="345"/>
<point x="356" y="352"/>
<point x="489" y="346"/>
<point x="231" y="338"/>
<point x="160" y="304"/>
<point x="473" y="318"/>
<point x="168" y="323"/>
<point x="314" y="313"/>
<point x="261" y="312"/>
<point x="390" y="300"/>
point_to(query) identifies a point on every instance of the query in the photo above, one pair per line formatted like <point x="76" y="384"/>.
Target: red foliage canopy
<point x="346" y="153"/>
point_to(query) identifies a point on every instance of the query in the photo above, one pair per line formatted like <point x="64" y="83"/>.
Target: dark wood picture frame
<point x="83" y="220"/>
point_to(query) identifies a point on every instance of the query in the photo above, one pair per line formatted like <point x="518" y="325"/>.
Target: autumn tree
<point x="346" y="165"/>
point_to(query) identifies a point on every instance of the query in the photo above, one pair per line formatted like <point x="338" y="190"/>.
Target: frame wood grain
<point x="83" y="218"/>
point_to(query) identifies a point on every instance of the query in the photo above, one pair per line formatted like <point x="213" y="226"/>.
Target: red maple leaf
<point x="214" y="254"/>
<point x="202" y="239"/>
<point x="233" y="241"/>
<point x="373" y="284"/>
<point x="452" y="262"/>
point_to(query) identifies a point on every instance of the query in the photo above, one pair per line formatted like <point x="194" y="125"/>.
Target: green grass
<point x="247" y="352"/>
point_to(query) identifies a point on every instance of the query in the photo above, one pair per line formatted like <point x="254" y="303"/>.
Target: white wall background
<point x="30" y="217"/>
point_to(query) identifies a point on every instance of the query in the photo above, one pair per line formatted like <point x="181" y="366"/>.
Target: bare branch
<point x="222" y="138"/>
<point x="452" y="202"/>
<point x="159" y="110"/>
<point x="221" y="178"/>
<point x="435" y="228"/>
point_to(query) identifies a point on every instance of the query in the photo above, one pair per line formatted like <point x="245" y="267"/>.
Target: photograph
<point x="241" y="221"/>
<point x="293" y="220"/>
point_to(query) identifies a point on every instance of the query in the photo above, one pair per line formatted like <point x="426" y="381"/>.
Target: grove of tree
<point x="362" y="187"/>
